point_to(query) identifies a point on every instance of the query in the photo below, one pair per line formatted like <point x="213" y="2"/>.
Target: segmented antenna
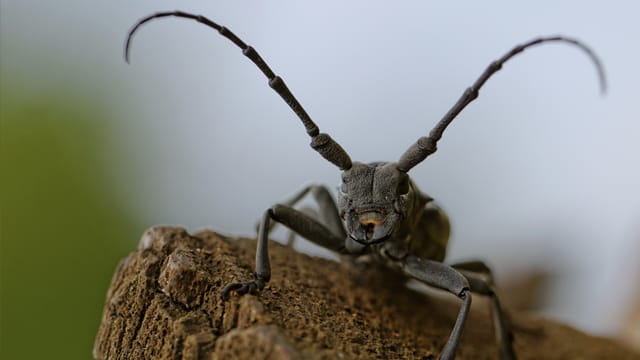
<point x="426" y="145"/>
<point x="321" y="142"/>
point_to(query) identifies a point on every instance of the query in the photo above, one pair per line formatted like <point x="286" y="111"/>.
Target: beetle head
<point x="373" y="200"/>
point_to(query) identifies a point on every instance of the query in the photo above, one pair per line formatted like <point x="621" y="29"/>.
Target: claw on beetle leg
<point x="250" y="287"/>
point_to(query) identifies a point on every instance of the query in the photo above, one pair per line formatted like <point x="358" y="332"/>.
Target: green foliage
<point x="62" y="232"/>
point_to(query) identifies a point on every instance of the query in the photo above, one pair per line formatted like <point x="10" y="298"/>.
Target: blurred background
<point x="539" y="175"/>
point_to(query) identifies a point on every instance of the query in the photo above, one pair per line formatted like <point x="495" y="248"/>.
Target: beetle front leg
<point x="327" y="212"/>
<point x="295" y="220"/>
<point x="481" y="280"/>
<point x="444" y="277"/>
<point x="263" y="267"/>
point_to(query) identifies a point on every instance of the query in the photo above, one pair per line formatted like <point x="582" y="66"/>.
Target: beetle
<point x="380" y="211"/>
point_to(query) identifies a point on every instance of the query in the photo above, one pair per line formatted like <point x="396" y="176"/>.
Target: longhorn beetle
<point x="380" y="211"/>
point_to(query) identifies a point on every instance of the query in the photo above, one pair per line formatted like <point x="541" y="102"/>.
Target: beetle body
<point x="383" y="211"/>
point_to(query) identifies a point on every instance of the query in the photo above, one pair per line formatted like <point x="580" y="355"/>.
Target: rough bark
<point x="164" y="303"/>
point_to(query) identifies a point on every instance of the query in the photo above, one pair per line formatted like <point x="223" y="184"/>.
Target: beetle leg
<point x="481" y="280"/>
<point x="295" y="220"/>
<point x="327" y="212"/>
<point x="310" y="212"/>
<point x="444" y="277"/>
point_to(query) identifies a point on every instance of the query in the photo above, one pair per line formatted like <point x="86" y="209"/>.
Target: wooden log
<point x="164" y="303"/>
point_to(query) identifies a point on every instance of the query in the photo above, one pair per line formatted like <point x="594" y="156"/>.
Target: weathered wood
<point x="164" y="303"/>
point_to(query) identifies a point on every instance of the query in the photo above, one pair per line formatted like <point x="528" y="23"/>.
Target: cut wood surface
<point x="164" y="303"/>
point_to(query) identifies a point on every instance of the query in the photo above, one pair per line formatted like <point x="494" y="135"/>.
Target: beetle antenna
<point x="426" y="145"/>
<point x="321" y="142"/>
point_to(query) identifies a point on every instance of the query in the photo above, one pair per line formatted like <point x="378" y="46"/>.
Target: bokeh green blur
<point x="62" y="230"/>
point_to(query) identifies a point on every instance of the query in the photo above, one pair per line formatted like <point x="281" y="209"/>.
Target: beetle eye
<point x="343" y="188"/>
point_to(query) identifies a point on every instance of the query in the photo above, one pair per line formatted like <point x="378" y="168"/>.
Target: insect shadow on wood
<point x="380" y="212"/>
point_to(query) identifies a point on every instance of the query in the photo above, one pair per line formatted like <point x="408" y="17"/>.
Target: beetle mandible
<point x="380" y="211"/>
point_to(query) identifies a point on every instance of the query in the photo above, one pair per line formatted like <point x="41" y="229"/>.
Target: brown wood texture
<point x="164" y="303"/>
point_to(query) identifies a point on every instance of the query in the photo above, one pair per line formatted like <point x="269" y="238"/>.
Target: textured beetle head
<point x="373" y="201"/>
